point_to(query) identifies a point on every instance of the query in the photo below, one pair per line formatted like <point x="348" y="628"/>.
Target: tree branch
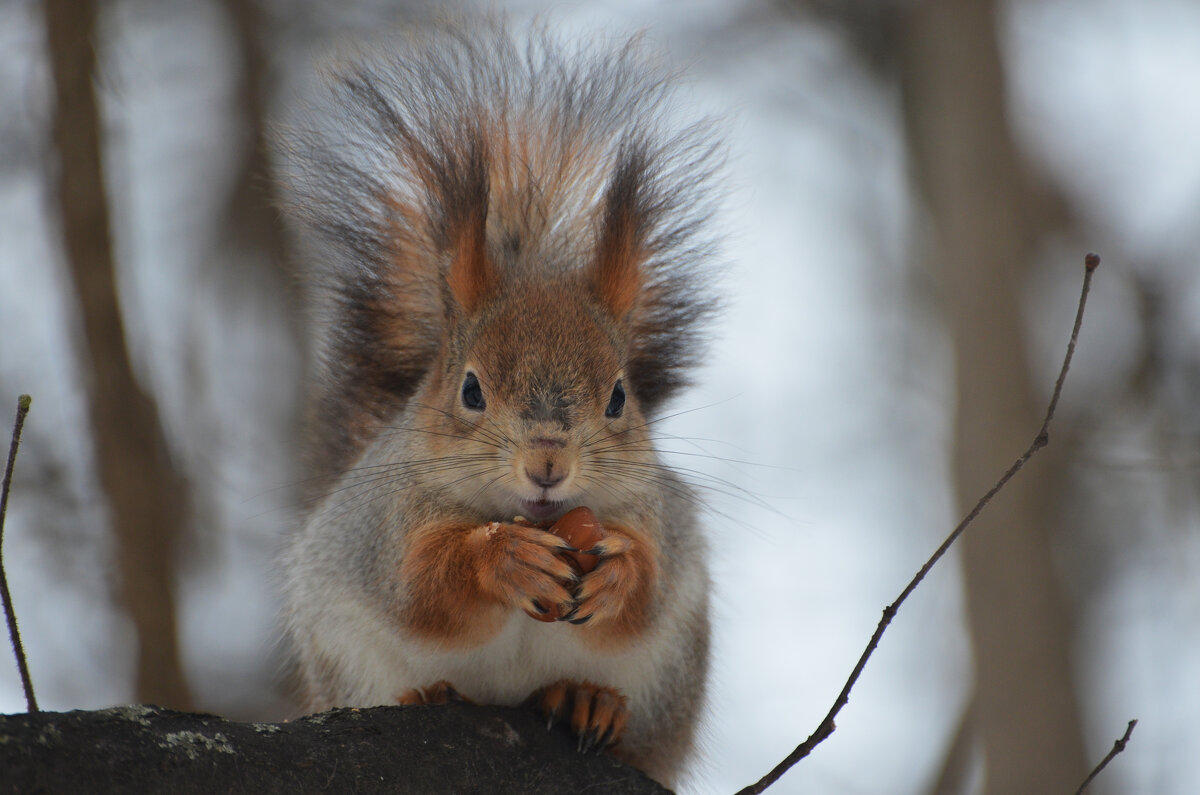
<point x="827" y="725"/>
<point x="23" y="403"/>
<point x="385" y="750"/>
<point x="1117" y="748"/>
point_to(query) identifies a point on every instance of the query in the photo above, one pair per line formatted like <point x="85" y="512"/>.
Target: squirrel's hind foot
<point x="437" y="693"/>
<point x="597" y="715"/>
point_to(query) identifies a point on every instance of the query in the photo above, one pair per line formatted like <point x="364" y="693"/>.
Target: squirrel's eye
<point x="616" y="404"/>
<point x="472" y="395"/>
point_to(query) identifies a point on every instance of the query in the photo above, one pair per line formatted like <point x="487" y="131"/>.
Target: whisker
<point x="680" y="489"/>
<point x="486" y="486"/>
<point x="369" y="489"/>
<point x="498" y="437"/>
<point x="650" y="422"/>
<point x="695" y="478"/>
<point x="632" y="447"/>
<point x="427" y="431"/>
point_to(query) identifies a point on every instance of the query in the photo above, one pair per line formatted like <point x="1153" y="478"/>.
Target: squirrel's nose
<point x="546" y="480"/>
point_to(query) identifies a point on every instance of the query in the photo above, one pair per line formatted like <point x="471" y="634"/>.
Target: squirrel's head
<point x="531" y="389"/>
<point x="537" y="388"/>
<point x="432" y="197"/>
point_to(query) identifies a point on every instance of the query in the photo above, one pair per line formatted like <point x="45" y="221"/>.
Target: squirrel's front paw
<point x="619" y="585"/>
<point x="521" y="567"/>
<point x="597" y="714"/>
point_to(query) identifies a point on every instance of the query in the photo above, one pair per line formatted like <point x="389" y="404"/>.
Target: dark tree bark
<point x="144" y="492"/>
<point x="967" y="167"/>
<point x="456" y="748"/>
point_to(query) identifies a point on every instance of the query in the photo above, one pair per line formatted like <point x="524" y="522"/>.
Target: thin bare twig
<point x="827" y="725"/>
<point x="1117" y="748"/>
<point x="23" y="404"/>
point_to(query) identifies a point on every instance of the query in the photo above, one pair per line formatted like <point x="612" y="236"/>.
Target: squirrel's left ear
<point x="616" y="271"/>
<point x="465" y="193"/>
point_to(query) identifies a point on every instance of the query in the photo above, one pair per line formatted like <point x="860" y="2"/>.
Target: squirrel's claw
<point x="598" y="714"/>
<point x="609" y="546"/>
<point x="520" y="566"/>
<point x="612" y="587"/>
<point x="551" y="701"/>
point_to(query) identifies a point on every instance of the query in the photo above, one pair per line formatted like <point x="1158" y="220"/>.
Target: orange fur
<point x="445" y="603"/>
<point x="439" y="692"/>
<point x="618" y="593"/>
<point x="462" y="580"/>
<point x="472" y="278"/>
<point x="616" y="274"/>
<point x="597" y="714"/>
<point x="616" y="271"/>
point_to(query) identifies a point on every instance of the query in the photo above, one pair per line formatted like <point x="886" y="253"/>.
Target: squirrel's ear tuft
<point x="616" y="271"/>
<point x="472" y="275"/>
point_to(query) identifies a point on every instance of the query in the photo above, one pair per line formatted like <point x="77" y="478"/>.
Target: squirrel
<point x="513" y="271"/>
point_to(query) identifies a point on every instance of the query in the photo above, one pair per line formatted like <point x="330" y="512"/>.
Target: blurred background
<point x="912" y="188"/>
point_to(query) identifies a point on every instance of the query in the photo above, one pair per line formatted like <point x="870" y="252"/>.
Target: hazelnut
<point x="580" y="528"/>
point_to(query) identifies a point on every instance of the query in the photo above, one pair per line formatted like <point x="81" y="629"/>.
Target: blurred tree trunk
<point x="252" y="267"/>
<point x="144" y="492"/>
<point x="252" y="212"/>
<point x="966" y="165"/>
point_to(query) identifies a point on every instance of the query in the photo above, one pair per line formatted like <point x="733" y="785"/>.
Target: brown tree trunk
<point x="252" y="215"/>
<point x="966" y="165"/>
<point x="144" y="492"/>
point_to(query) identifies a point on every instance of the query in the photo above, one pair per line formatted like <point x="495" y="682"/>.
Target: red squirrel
<point x="511" y="274"/>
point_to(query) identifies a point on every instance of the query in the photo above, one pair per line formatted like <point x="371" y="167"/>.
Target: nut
<point x="580" y="528"/>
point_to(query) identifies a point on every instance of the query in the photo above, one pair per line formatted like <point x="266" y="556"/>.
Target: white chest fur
<point x="380" y="663"/>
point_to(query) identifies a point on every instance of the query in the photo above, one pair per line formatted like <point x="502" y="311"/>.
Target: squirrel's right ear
<point x="472" y="275"/>
<point x="616" y="271"/>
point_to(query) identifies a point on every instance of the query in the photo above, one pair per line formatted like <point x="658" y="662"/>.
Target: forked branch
<point x="1040" y="440"/>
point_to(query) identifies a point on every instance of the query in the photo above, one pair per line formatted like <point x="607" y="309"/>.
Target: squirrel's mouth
<point x="541" y="510"/>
